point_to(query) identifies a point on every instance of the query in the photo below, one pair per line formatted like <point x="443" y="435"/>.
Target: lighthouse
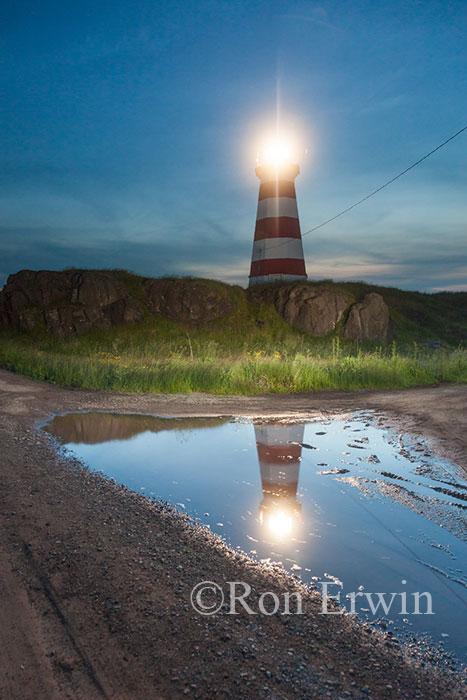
<point x="277" y="248"/>
<point x="279" y="454"/>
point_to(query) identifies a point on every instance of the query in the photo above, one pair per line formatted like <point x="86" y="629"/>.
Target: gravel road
<point x="96" y="580"/>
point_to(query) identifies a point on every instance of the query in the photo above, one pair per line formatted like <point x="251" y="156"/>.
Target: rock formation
<point x="66" y="303"/>
<point x="368" y="319"/>
<point x="186" y="300"/>
<point x="314" y="309"/>
<point x="75" y="301"/>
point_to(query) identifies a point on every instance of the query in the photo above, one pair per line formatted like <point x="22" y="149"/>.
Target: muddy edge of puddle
<point x="95" y="579"/>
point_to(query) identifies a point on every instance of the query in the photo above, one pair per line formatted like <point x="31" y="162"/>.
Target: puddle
<point x="332" y="501"/>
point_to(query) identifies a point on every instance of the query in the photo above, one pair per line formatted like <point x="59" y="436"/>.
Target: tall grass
<point x="186" y="362"/>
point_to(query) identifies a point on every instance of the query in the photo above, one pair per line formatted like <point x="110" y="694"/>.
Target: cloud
<point x="314" y="15"/>
<point x="233" y="273"/>
<point x="402" y="240"/>
<point x="203" y="257"/>
<point x="169" y="255"/>
<point x="386" y="103"/>
<point x="351" y="268"/>
<point x="451" y="288"/>
<point x="311" y="20"/>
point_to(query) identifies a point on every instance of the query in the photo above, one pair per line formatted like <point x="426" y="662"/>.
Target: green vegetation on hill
<point x="251" y="350"/>
<point x="416" y="316"/>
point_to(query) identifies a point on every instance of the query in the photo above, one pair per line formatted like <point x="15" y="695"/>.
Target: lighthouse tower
<point x="277" y="247"/>
<point x="279" y="453"/>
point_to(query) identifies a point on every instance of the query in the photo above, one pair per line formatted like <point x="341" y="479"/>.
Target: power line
<point x="389" y="182"/>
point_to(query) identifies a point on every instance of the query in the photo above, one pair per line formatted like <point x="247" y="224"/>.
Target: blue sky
<point x="130" y="130"/>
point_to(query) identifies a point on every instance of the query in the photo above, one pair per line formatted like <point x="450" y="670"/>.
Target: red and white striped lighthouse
<point x="277" y="247"/>
<point x="279" y="453"/>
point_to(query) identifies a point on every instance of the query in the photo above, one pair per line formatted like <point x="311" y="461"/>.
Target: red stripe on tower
<point x="277" y="188"/>
<point x="286" y="266"/>
<point x="277" y="227"/>
<point x="277" y="247"/>
<point x="279" y="454"/>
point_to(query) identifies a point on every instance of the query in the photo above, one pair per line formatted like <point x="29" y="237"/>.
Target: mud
<point x="96" y="579"/>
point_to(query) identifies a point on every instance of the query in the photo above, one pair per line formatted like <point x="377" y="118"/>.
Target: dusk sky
<point x="130" y="131"/>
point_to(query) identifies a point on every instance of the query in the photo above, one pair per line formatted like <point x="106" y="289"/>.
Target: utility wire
<point x="389" y="182"/>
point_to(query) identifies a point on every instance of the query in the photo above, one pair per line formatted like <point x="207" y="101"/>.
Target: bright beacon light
<point x="280" y="523"/>
<point x="277" y="153"/>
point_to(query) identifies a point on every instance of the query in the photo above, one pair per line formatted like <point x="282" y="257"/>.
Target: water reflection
<point x="335" y="499"/>
<point x="279" y="453"/>
<point x="94" y="427"/>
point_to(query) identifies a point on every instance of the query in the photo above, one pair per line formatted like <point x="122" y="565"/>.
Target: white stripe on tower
<point x="268" y="248"/>
<point x="279" y="453"/>
<point x="277" y="206"/>
<point x="277" y="247"/>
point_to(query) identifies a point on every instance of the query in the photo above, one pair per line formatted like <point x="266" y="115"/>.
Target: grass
<point x="416" y="316"/>
<point x="158" y="356"/>
<point x="252" y="350"/>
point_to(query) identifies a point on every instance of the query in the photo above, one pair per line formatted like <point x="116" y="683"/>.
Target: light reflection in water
<point x="279" y="453"/>
<point x="354" y="504"/>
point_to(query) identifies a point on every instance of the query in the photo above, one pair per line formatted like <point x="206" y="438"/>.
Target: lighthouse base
<point x="278" y="277"/>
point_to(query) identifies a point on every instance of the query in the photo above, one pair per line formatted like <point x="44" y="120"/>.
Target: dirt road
<point x="96" y="580"/>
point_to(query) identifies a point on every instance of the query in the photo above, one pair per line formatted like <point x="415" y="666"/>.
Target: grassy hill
<point x="415" y="316"/>
<point x="252" y="349"/>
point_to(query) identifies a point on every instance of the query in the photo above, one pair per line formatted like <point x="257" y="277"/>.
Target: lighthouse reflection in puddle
<point x="279" y="453"/>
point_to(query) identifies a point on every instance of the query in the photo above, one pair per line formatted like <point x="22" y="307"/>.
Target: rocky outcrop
<point x="73" y="302"/>
<point x="368" y="319"/>
<point x="93" y="428"/>
<point x="314" y="309"/>
<point x="318" y="310"/>
<point x="186" y="300"/>
<point x="66" y="303"/>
